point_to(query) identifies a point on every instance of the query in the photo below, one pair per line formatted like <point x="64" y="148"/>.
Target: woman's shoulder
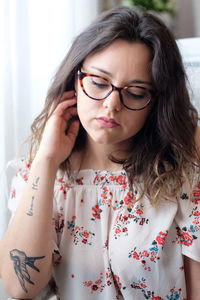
<point x="74" y="177"/>
<point x="21" y="167"/>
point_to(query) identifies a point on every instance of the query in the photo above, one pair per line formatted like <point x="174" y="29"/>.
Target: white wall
<point x="196" y="8"/>
<point x="34" y="37"/>
<point x="187" y="20"/>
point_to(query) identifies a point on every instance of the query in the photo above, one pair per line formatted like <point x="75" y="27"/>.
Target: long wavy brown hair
<point x="164" y="148"/>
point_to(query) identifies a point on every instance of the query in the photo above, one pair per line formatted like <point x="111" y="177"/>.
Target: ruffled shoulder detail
<point x="94" y="178"/>
<point x="22" y="166"/>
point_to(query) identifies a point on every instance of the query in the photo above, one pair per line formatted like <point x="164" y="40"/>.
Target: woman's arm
<point x="192" y="275"/>
<point x="26" y="249"/>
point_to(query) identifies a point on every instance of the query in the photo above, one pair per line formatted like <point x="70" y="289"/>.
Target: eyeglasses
<point x="133" y="97"/>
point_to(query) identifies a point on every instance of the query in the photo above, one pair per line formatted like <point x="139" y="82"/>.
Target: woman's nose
<point x="112" y="102"/>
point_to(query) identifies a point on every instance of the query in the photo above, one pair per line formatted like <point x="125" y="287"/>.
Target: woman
<point x="120" y="180"/>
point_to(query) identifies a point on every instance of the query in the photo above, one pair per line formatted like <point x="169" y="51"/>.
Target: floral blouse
<point x="110" y="246"/>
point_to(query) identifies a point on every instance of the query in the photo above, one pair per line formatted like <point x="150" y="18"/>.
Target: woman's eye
<point x="99" y="83"/>
<point x="137" y="96"/>
<point x="136" y="93"/>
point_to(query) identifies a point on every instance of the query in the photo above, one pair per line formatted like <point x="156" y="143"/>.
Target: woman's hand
<point x="56" y="144"/>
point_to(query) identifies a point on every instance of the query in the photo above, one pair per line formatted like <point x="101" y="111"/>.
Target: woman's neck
<point x="96" y="156"/>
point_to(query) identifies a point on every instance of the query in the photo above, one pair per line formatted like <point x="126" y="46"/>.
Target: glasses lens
<point x="96" y="87"/>
<point x="135" y="97"/>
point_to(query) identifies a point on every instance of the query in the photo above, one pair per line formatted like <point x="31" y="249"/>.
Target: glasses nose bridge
<point x="119" y="89"/>
<point x="114" y="88"/>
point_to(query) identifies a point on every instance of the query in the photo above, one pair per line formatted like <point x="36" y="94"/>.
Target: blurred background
<point x="35" y="36"/>
<point x="182" y="16"/>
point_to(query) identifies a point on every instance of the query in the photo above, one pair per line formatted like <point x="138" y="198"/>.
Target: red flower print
<point x="135" y="255"/>
<point x="145" y="253"/>
<point x="112" y="178"/>
<point x="25" y="176"/>
<point x="109" y="283"/>
<point x="139" y="212"/>
<point x="124" y="219"/>
<point x="118" y="281"/>
<point x="117" y="230"/>
<point x="105" y="189"/>
<point x="196" y="196"/>
<point x="27" y="165"/>
<point x="130" y="198"/>
<point x="186" y="239"/>
<point x="143" y="285"/>
<point x="197" y="213"/>
<point x="124" y="229"/>
<point x="104" y="195"/>
<point x="86" y="234"/>
<point x="13" y="193"/>
<point x="160" y="240"/>
<point x="151" y="258"/>
<point x="161" y="237"/>
<point x="96" y="211"/>
<point x="119" y="179"/>
<point x="142" y="221"/>
<point x="156" y="298"/>
<point x="195" y="221"/>
<point x="89" y="283"/>
<point x="79" y="181"/>
<point x="63" y="189"/>
<point x="84" y="241"/>
<point x="98" y="281"/>
<point x="143" y="261"/>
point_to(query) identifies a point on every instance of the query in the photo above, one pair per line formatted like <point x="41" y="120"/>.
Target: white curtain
<point x="34" y="38"/>
<point x="190" y="50"/>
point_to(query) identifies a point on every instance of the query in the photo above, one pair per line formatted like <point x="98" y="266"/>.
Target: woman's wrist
<point x="44" y="161"/>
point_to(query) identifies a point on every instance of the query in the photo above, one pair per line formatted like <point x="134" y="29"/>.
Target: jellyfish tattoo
<point x="21" y="261"/>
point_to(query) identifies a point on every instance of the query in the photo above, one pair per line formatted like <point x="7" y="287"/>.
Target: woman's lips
<point x="107" y="123"/>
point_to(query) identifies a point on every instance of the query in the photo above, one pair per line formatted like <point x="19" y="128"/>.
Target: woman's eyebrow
<point x="135" y="81"/>
<point x="138" y="81"/>
<point x="102" y="71"/>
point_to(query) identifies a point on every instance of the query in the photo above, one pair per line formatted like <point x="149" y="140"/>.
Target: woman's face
<point x="108" y="121"/>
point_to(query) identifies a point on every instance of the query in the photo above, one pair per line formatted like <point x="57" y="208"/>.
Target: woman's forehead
<point x="121" y="58"/>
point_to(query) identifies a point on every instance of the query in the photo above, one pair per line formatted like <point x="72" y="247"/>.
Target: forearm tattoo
<point x="30" y="213"/>
<point x="34" y="187"/>
<point x="35" y="184"/>
<point x="21" y="261"/>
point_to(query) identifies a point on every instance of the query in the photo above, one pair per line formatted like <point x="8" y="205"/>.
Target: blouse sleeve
<point x="188" y="221"/>
<point x="22" y="169"/>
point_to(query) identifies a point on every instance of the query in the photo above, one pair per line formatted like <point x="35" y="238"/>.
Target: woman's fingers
<point x="73" y="130"/>
<point x="66" y="106"/>
<point x="65" y="96"/>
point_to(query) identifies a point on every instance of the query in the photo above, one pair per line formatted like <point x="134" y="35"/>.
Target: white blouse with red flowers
<point x="110" y="246"/>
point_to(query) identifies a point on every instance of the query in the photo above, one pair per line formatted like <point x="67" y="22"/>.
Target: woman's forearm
<point x="192" y="276"/>
<point x="26" y="249"/>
